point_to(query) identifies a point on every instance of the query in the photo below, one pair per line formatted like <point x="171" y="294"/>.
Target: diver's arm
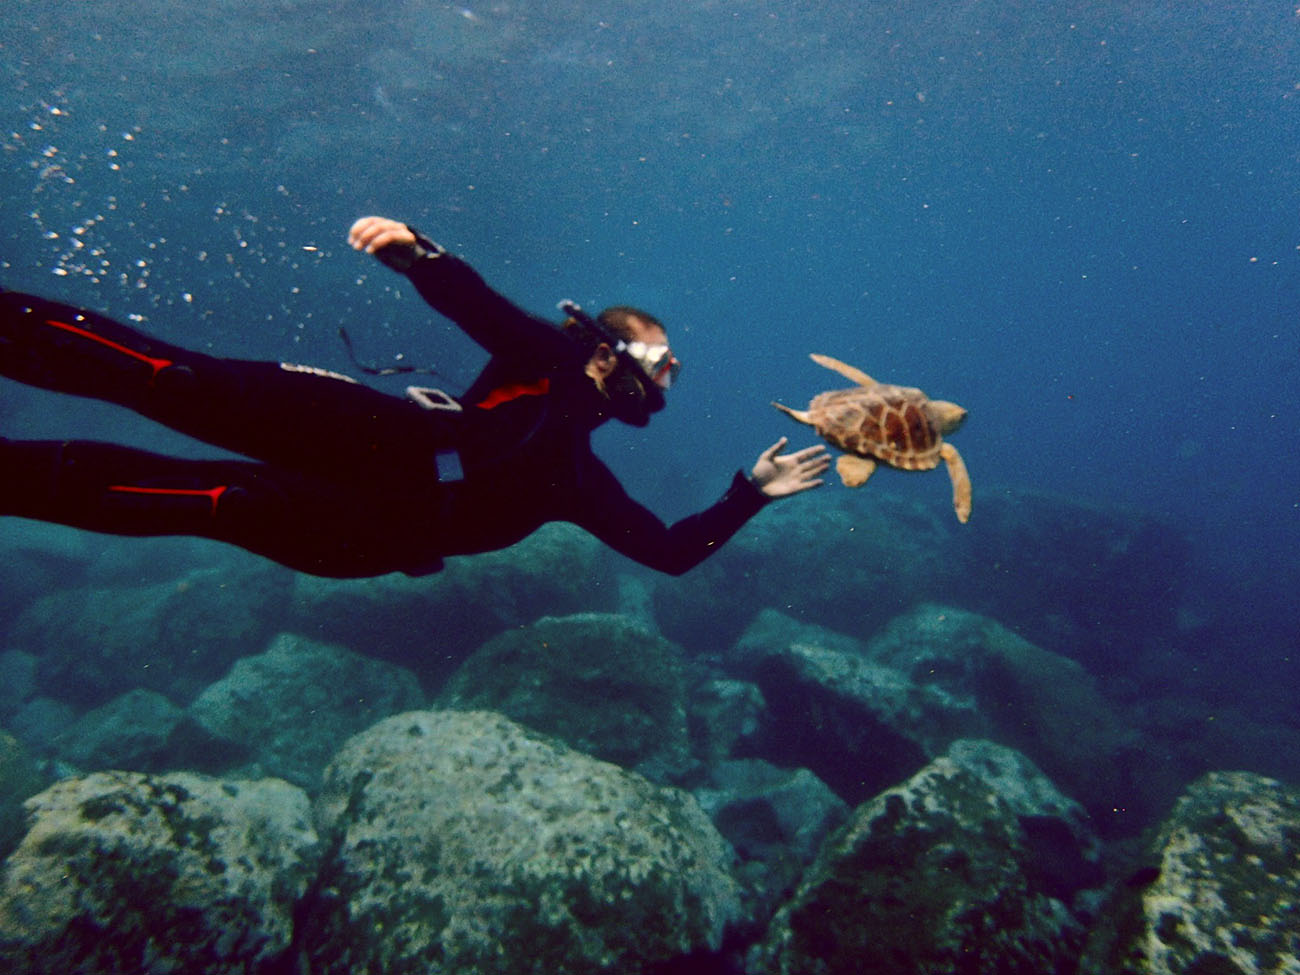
<point x="454" y="289"/>
<point x="633" y="530"/>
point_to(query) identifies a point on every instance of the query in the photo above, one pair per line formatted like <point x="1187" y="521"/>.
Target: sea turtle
<point x="898" y="425"/>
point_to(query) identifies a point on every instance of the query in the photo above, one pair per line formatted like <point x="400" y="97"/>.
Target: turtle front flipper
<point x="843" y="368"/>
<point x="854" y="471"/>
<point x="800" y="415"/>
<point x="961" y="495"/>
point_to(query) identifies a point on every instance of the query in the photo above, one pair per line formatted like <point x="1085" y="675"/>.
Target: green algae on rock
<point x="464" y="843"/>
<point x="121" y="871"/>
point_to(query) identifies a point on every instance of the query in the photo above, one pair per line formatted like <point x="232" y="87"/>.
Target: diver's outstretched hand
<point x="373" y="234"/>
<point x="778" y="475"/>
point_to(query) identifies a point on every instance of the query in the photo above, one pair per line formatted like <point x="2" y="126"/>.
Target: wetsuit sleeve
<point x="635" y="531"/>
<point x="454" y="289"/>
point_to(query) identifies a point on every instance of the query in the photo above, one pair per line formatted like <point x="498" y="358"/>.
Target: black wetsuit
<point x="344" y="479"/>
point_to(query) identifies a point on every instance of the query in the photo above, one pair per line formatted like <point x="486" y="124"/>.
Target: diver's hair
<point x="616" y="319"/>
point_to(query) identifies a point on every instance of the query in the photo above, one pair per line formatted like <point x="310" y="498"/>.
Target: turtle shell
<point x="881" y="421"/>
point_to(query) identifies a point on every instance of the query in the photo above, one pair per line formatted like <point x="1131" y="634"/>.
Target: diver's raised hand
<point x="778" y="475"/>
<point x="373" y="234"/>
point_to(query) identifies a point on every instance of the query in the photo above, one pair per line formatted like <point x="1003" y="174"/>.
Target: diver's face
<point x="630" y="401"/>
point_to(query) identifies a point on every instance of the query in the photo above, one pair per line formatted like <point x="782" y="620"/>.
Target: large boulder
<point x="42" y="724"/>
<point x="432" y="623"/>
<point x="464" y="843"/>
<point x="289" y="709"/>
<point x="125" y="872"/>
<point x="861" y="559"/>
<point x="1219" y="889"/>
<point x="774" y="818"/>
<point x="144" y="732"/>
<point x="863" y="715"/>
<point x="933" y="876"/>
<point x="606" y="685"/>
<point x="132" y="731"/>
<point x="1069" y="572"/>
<point x="36" y="558"/>
<point x="763" y="809"/>
<point x="860" y="725"/>
<point x="1066" y="852"/>
<point x="1039" y="702"/>
<point x="172" y="637"/>
<point x="724" y="715"/>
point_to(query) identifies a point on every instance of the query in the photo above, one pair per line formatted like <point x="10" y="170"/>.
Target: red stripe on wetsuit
<point x="212" y="494"/>
<point x="504" y="394"/>
<point x="157" y="365"/>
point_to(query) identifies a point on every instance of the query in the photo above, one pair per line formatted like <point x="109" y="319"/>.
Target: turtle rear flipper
<point x="843" y="368"/>
<point x="961" y="492"/>
<point x="800" y="415"/>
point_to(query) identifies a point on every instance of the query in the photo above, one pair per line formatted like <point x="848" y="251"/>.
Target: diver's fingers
<point x="360" y="233"/>
<point x="371" y="234"/>
<point x="812" y="456"/>
<point x="771" y="452"/>
<point x="377" y="237"/>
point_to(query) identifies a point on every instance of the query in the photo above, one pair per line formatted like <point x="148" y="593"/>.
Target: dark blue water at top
<point x="1079" y="220"/>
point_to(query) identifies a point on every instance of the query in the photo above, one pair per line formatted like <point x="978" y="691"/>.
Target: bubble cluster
<point x="71" y="192"/>
<point x="130" y="226"/>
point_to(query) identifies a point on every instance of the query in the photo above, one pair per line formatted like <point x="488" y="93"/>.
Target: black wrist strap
<point x="402" y="257"/>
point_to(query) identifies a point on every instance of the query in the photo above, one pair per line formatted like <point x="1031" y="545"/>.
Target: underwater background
<point x="1078" y="220"/>
<point x="1081" y="221"/>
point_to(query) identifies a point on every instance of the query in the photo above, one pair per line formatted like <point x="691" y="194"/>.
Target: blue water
<point x="1079" y="220"/>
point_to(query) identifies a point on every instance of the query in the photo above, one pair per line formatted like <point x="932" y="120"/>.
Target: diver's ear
<point x="602" y="363"/>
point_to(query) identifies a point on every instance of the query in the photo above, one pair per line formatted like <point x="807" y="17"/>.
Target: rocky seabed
<point x="219" y="766"/>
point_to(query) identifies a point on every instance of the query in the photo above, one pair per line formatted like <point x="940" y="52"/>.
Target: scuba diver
<point x="346" y="481"/>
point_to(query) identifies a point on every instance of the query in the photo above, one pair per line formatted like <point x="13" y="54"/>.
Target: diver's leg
<point x="70" y="350"/>
<point x="295" y="520"/>
<point x="283" y="414"/>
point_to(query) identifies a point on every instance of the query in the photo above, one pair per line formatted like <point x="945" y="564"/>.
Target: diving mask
<point x="657" y="361"/>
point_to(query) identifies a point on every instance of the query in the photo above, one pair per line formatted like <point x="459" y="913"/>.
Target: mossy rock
<point x="603" y="683"/>
<point x="466" y="844"/>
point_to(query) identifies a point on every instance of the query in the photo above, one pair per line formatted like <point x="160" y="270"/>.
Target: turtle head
<point x="945" y="416"/>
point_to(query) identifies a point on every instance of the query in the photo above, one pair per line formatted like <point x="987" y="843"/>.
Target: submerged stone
<point x="173" y="637"/>
<point x="554" y="570"/>
<point x="465" y="844"/>
<point x="927" y="877"/>
<point x="1218" y="890"/>
<point x="124" y="872"/>
<point x="603" y="683"/>
<point x="290" y="708"/>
